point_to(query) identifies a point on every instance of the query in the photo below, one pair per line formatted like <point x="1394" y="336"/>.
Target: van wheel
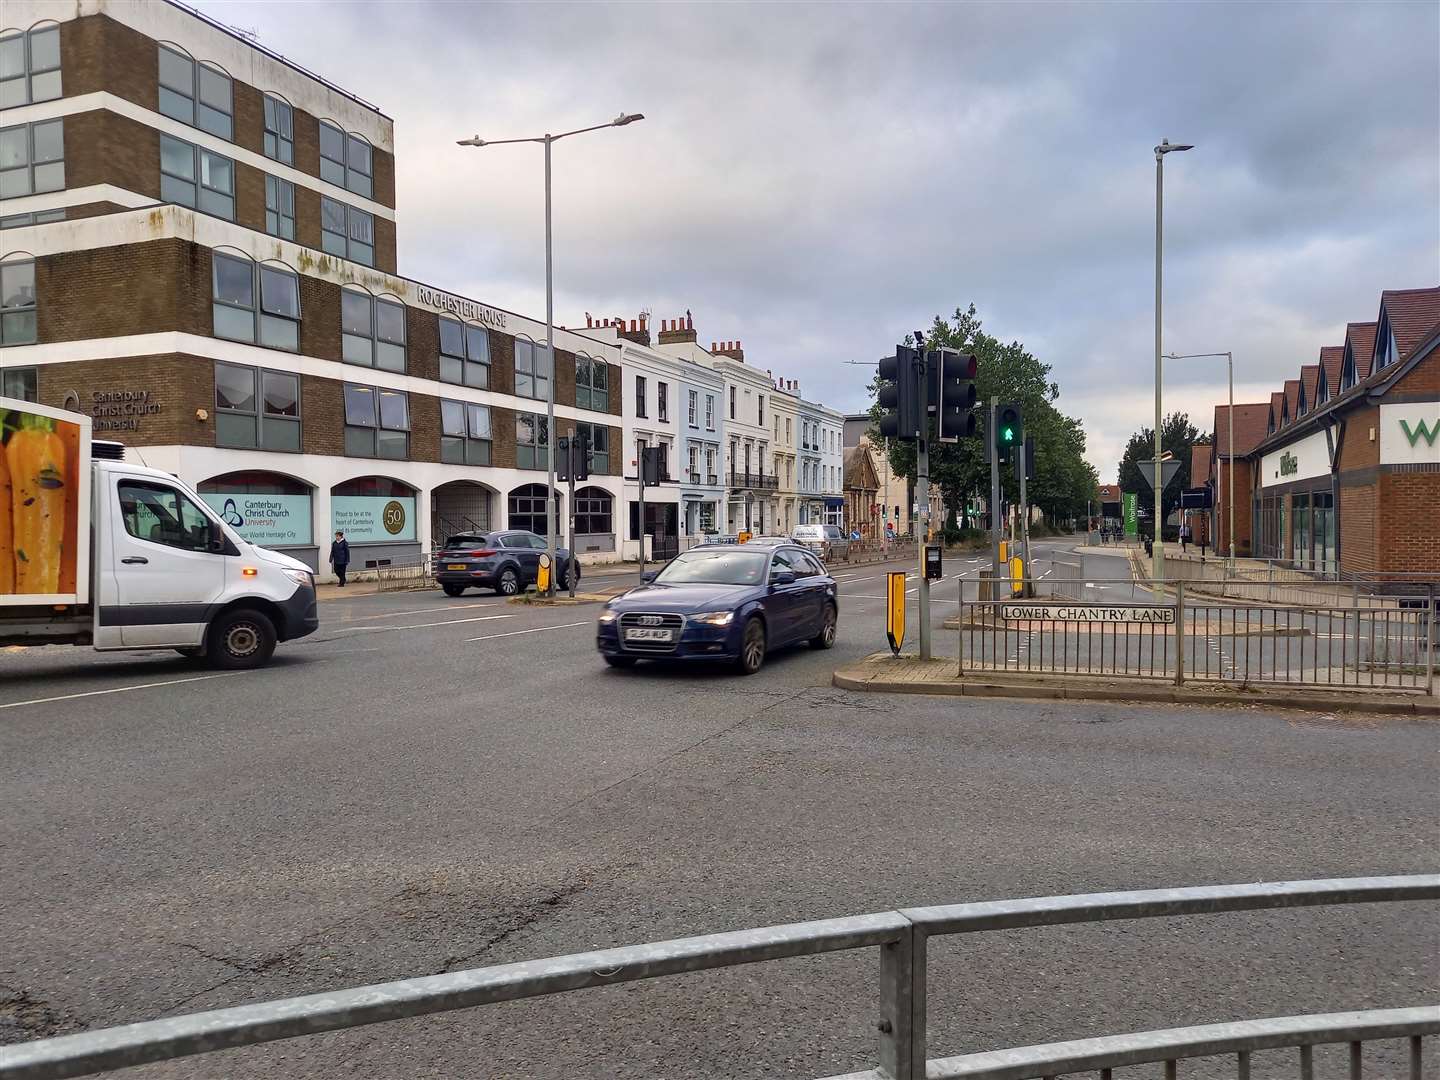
<point x="240" y="639"/>
<point x="453" y="590"/>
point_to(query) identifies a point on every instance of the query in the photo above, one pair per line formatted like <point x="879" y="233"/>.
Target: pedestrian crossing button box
<point x="933" y="571"/>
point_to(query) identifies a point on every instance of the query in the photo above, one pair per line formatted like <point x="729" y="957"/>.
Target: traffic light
<point x="572" y="458"/>
<point x="901" y="386"/>
<point x="955" y="395"/>
<point x="1029" y="457"/>
<point x="1009" y="429"/>
<point x="653" y="467"/>
<point x="562" y="459"/>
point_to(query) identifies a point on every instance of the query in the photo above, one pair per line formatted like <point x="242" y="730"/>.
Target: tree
<point x="1177" y="436"/>
<point x="1063" y="480"/>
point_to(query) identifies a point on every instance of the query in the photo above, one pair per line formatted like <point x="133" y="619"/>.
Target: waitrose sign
<point x="1410" y="433"/>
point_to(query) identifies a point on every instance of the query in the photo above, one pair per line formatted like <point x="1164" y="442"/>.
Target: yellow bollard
<point x="542" y="576"/>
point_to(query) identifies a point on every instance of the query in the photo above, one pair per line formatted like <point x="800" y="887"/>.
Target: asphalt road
<point x="430" y="784"/>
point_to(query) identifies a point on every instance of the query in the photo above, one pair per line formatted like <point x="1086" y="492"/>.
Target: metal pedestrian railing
<point x="900" y="936"/>
<point x="1078" y="626"/>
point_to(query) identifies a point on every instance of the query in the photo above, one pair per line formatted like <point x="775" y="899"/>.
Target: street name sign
<point x="1101" y="613"/>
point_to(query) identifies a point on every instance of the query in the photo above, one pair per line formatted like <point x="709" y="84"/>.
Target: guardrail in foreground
<point x="901" y="937"/>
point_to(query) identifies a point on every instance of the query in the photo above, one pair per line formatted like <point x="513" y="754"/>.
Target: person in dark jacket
<point x="340" y="556"/>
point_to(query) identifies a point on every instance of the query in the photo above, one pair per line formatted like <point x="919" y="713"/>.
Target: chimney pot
<point x="588" y="324"/>
<point x="714" y="346"/>
<point x="737" y="343"/>
<point x="689" y="323"/>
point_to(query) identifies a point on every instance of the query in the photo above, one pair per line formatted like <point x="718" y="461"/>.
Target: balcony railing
<point x="754" y="481"/>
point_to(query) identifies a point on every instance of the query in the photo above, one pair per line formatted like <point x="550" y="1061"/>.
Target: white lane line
<point x="121" y="689"/>
<point x="532" y="630"/>
<point x="424" y="611"/>
<point x="416" y="626"/>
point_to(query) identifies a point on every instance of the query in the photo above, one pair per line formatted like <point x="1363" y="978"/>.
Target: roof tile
<point x="1332" y="359"/>
<point x="1412" y="313"/>
<point x="1360" y="337"/>
<point x="1251" y="426"/>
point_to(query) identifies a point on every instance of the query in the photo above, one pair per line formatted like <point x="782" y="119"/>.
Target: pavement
<point x="430" y="784"/>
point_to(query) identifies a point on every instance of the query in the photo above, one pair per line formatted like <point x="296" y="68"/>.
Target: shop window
<point x="347" y="231"/>
<point x="22" y="383"/>
<point x="594" y="511"/>
<point x="599" y="436"/>
<point x="279" y="208"/>
<point x="372" y="330"/>
<point x="377" y="422"/>
<point x="264" y="508"/>
<point x="527" y="509"/>
<point x="17" y="302"/>
<point x="197" y="178"/>
<point x="592" y="384"/>
<point x="532" y="370"/>
<point x="29" y="65"/>
<point x="197" y="94"/>
<point x="238" y="284"/>
<point x="279" y="130"/>
<point x="532" y="441"/>
<point x="257" y="409"/>
<point x="465" y="435"/>
<point x="464" y="353"/>
<point x="32" y="158"/>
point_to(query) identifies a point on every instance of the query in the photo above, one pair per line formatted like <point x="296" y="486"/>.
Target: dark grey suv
<point x="506" y="560"/>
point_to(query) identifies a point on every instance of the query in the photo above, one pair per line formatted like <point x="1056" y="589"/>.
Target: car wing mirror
<point x="648" y="576"/>
<point x="782" y="577"/>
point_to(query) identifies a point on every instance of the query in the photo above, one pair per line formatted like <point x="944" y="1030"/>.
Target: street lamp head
<point x="1166" y="147"/>
<point x="627" y="118"/>
<point x="474" y="140"/>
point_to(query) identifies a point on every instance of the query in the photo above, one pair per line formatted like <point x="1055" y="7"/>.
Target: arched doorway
<point x="266" y="508"/>
<point x="526" y="509"/>
<point x="594" y="520"/>
<point x="458" y="507"/>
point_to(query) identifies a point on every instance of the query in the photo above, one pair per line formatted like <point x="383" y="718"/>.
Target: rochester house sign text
<point x="458" y="305"/>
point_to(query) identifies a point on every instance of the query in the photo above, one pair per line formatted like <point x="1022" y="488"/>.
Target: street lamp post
<point x="1229" y="446"/>
<point x="547" y="140"/>
<point x="1166" y="146"/>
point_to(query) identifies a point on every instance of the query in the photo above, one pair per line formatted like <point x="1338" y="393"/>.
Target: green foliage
<point x="1063" y="481"/>
<point x="1177" y="436"/>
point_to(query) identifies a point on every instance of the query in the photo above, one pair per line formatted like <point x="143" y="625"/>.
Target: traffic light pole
<point x="922" y="494"/>
<point x="995" y="526"/>
<point x="574" y="466"/>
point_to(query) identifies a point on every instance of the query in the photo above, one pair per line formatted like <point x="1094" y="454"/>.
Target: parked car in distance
<point x="727" y="602"/>
<point x="506" y="560"/>
<point x="826" y="541"/>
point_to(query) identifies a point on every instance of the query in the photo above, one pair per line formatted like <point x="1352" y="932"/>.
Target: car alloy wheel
<point x="752" y="647"/>
<point x="826" y="638"/>
<point x="509" y="583"/>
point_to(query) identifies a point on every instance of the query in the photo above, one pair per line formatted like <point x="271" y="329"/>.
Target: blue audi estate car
<point x="726" y="602"/>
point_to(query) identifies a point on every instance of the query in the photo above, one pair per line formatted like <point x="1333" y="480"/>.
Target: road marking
<point x="120" y="689"/>
<point x="416" y="626"/>
<point x="532" y="630"/>
<point x="423" y="611"/>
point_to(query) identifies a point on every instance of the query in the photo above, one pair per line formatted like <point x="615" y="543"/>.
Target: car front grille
<point x="667" y="620"/>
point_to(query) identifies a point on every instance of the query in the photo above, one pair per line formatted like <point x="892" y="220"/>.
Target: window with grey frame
<point x="32" y="158"/>
<point x="17" y="302"/>
<point x="592" y="384"/>
<point x="29" y="66"/>
<point x="464" y="353"/>
<point x="347" y="231"/>
<point x="709" y="412"/>
<point x="256" y="409"/>
<point x="346" y="160"/>
<point x="594" y="512"/>
<point x="532" y="370"/>
<point x="532" y="441"/>
<point x="599" y="438"/>
<point x="640" y="396"/>
<point x="662" y="402"/>
<point x="22" y="383"/>
<point x="692" y="408"/>
<point x="255" y="302"/>
<point x="197" y="178"/>
<point x="372" y="330"/>
<point x="377" y="422"/>
<point x="196" y="93"/>
<point x="279" y="208"/>
<point x="279" y="129"/>
<point x="465" y="434"/>
<point x="40" y="217"/>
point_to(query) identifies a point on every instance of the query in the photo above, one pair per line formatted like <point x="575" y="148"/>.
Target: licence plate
<point x="649" y="633"/>
<point x="456" y="566"/>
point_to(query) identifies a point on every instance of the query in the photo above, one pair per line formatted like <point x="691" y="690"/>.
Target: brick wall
<point x="177" y="384"/>
<point x="1358" y="450"/>
<point x="322" y="413"/>
<point x="1409" y="527"/>
<point x="131" y="289"/>
<point x="1244" y="508"/>
<point x="106" y="148"/>
<point x="1423" y="378"/>
<point x="385" y="249"/>
<point x="1359" y="529"/>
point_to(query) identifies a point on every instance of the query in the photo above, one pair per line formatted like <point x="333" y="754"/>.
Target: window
<point x="195" y="94"/>
<point x="789" y="438"/>
<point x="662" y="402"/>
<point x="17" y="302"/>
<point x="465" y="436"/>
<point x="40" y="217"/>
<point x="599" y="436"/>
<point x="532" y="441"/>
<point x="279" y="130"/>
<point x="32" y="158"/>
<point x="464" y="353"/>
<point x="265" y="420"/>
<point x="594" y="512"/>
<point x="332" y="153"/>
<point x="710" y="477"/>
<point x="347" y="231"/>
<point x="692" y="408"/>
<point x="359" y="166"/>
<point x="592" y="384"/>
<point x="532" y="370"/>
<point x="527" y="510"/>
<point x="197" y="178"/>
<point x="760" y="405"/>
<point x="346" y="160"/>
<point x="29" y="66"/>
<point x="372" y="330"/>
<point x="640" y="395"/>
<point x="274" y="321"/>
<point x="732" y="403"/>
<point x="161" y="515"/>
<point x="280" y="208"/>
<point x="709" y="412"/>
<point x="377" y="422"/>
<point x="694" y="464"/>
<point x="22" y="383"/>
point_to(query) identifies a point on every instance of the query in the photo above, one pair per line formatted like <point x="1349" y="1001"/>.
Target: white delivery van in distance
<point x="97" y="551"/>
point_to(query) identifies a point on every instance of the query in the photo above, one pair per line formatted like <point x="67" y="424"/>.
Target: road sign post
<point x="895" y="609"/>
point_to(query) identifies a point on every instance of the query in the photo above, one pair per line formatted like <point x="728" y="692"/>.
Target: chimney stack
<point x="638" y="332"/>
<point x="676" y="331"/>
<point x="731" y="349"/>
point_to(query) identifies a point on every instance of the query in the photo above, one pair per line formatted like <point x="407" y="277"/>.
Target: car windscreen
<point x="465" y="543"/>
<point x="718" y="567"/>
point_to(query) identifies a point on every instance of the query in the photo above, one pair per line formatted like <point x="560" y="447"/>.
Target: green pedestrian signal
<point x="1009" y="429"/>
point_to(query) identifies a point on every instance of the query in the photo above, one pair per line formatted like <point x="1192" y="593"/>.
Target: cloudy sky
<point x="817" y="179"/>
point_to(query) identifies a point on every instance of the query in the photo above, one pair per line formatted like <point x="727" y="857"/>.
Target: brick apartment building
<point x="1340" y="470"/>
<point x="199" y="251"/>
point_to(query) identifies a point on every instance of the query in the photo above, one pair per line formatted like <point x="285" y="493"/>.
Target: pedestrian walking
<point x="340" y="556"/>
<point x="1184" y="534"/>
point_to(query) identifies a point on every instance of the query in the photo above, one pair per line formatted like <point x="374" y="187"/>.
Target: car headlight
<point x="300" y="577"/>
<point x="714" y="618"/>
<point x="607" y="616"/>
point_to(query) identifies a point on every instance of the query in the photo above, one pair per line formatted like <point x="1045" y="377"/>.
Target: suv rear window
<point x="465" y="543"/>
